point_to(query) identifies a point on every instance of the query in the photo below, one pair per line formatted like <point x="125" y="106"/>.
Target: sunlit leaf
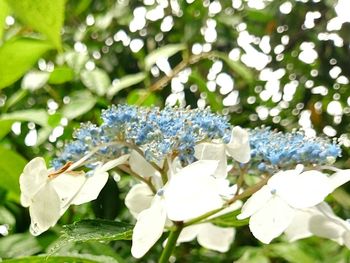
<point x="61" y="75"/>
<point x="141" y="97"/>
<point x="15" y="98"/>
<point x="162" y="52"/>
<point x="37" y="116"/>
<point x="125" y="82"/>
<point x="80" y="103"/>
<point x="253" y="255"/>
<point x="236" y="66"/>
<point x="76" y="60"/>
<point x="44" y="16"/>
<point x="96" y="80"/>
<point x="3" y="13"/>
<point x="18" y="245"/>
<point x="11" y="166"/>
<point x="94" y="230"/>
<point x="5" y="127"/>
<point x="15" y="58"/>
<point x="34" y="80"/>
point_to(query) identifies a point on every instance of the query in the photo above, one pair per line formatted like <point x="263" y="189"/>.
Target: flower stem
<point x="170" y="244"/>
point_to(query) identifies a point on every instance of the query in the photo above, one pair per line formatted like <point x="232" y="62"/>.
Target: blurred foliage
<point x="275" y="63"/>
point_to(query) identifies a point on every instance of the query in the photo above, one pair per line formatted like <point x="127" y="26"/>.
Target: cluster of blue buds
<point x="284" y="150"/>
<point x="171" y="131"/>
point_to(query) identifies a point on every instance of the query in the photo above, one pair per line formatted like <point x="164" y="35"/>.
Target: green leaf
<point x="3" y="13"/>
<point x="253" y="255"/>
<point x="37" y="116"/>
<point x="125" y="82"/>
<point x="96" y="80"/>
<point x="45" y="16"/>
<point x="61" y="75"/>
<point x="141" y="97"/>
<point x="17" y="56"/>
<point x="229" y="220"/>
<point x="163" y="52"/>
<point x="5" y="127"/>
<point x="76" y="60"/>
<point x="11" y="166"/>
<point x="15" y="98"/>
<point x="236" y="66"/>
<point x="80" y="103"/>
<point x="214" y="101"/>
<point x="68" y="258"/>
<point x="292" y="252"/>
<point x="93" y="230"/>
<point x="18" y="245"/>
<point x="34" y="80"/>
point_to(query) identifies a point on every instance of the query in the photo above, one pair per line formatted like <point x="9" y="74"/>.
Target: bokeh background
<point x="283" y="64"/>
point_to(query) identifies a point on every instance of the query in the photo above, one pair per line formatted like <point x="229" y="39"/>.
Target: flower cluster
<point x="272" y="149"/>
<point x="182" y="160"/>
<point x="157" y="132"/>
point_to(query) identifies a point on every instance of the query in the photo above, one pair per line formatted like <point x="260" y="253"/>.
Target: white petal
<point x="255" y="202"/>
<point x="271" y="221"/>
<point x="138" y="199"/>
<point x="339" y="178"/>
<point x="189" y="233"/>
<point x="216" y="238"/>
<point x="202" y="167"/>
<point x="192" y="192"/>
<point x="67" y="186"/>
<point x="140" y="166"/>
<point x="299" y="228"/>
<point x="91" y="188"/>
<point x="239" y="147"/>
<point x="113" y="163"/>
<point x="212" y="151"/>
<point x="34" y="176"/>
<point x="301" y="191"/>
<point x="148" y="229"/>
<point x="45" y="210"/>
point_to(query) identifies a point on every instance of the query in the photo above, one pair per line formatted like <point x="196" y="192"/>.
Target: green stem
<point x="170" y="244"/>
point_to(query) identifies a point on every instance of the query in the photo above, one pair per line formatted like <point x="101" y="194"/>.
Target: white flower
<point x="48" y="197"/>
<point x="273" y="208"/>
<point x="320" y="221"/>
<point x="190" y="192"/>
<point x="238" y="148"/>
<point x="209" y="236"/>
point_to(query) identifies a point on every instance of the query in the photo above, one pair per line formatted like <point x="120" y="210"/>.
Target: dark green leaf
<point x="11" y="166"/>
<point x="69" y="258"/>
<point x="94" y="230"/>
<point x="15" y="59"/>
<point x="236" y="66"/>
<point x="292" y="252"/>
<point x="18" y="245"/>
<point x="44" y="16"/>
<point x="229" y="220"/>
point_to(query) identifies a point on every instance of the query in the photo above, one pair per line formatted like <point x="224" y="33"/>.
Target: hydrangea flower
<point x="271" y="149"/>
<point x="320" y="221"/>
<point x="159" y="133"/>
<point x="273" y="208"/>
<point x="49" y="193"/>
